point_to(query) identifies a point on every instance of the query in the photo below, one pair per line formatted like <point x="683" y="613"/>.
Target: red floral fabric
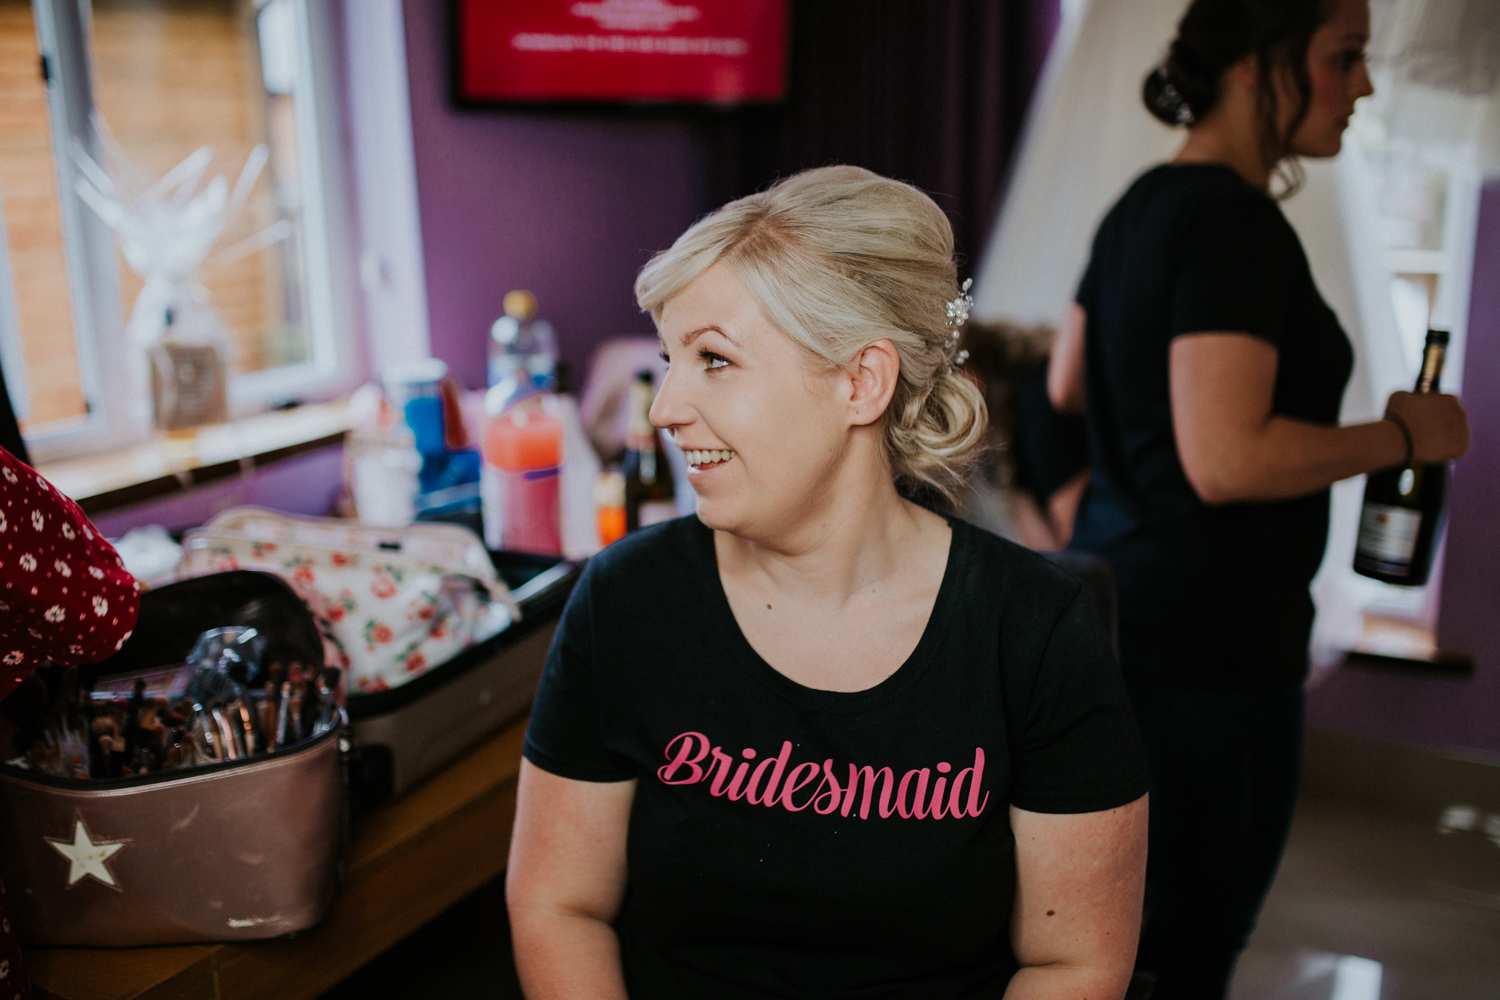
<point x="64" y="594"/>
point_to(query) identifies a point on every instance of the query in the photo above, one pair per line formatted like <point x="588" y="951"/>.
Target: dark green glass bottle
<point x="1404" y="506"/>
<point x="649" y="487"/>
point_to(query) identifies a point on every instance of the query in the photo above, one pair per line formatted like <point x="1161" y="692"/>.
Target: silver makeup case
<point x="252" y="849"/>
<point x="235" y="850"/>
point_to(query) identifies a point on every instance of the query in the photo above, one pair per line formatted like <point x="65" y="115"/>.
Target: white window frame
<point x="119" y="410"/>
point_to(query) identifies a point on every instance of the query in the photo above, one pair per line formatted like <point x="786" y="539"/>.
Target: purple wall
<point x="568" y="206"/>
<point x="1454" y="713"/>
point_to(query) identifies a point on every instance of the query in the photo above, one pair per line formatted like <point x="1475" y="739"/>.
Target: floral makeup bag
<point x="395" y="601"/>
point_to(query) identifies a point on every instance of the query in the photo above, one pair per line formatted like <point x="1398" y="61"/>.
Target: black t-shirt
<point x="791" y="842"/>
<point x="1208" y="595"/>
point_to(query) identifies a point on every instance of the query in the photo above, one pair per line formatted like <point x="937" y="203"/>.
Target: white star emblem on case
<point x="87" y="857"/>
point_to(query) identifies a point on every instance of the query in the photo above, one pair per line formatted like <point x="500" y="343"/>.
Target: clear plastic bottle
<point x="580" y="468"/>
<point x="523" y="350"/>
<point x="413" y="388"/>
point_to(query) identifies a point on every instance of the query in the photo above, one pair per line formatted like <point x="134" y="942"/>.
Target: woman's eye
<point x="714" y="360"/>
<point x="663" y="356"/>
<point x="1352" y="58"/>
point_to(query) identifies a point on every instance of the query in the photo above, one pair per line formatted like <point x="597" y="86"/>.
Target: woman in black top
<point x="1212" y="372"/>
<point x="819" y="741"/>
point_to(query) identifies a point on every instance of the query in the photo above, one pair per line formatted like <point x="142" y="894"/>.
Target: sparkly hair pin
<point x="958" y="315"/>
<point x="958" y="309"/>
<point x="1178" y="106"/>
<point x="1172" y="100"/>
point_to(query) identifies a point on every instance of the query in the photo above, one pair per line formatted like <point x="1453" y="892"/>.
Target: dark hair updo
<point x="1214" y="35"/>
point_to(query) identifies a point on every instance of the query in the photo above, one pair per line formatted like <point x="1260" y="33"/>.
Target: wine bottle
<point x="650" y="494"/>
<point x="1404" y="506"/>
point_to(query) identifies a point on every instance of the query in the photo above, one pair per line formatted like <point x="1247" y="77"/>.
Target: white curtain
<point x="1086" y="137"/>
<point x="1089" y="136"/>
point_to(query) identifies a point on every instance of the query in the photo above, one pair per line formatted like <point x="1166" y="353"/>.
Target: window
<point x="44" y="374"/>
<point x="162" y="78"/>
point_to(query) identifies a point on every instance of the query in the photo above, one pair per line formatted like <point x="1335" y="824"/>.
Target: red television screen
<point x="611" y="51"/>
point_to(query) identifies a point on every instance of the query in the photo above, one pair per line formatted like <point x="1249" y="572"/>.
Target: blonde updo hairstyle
<point x="837" y="258"/>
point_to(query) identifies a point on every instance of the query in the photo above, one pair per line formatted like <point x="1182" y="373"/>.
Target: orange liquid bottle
<point x="522" y="455"/>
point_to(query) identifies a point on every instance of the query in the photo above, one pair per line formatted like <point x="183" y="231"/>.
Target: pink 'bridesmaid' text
<point x="775" y="781"/>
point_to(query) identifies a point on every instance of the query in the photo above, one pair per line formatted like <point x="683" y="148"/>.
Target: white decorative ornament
<point x="958" y="309"/>
<point x="957" y="316"/>
<point x="168" y="227"/>
<point x="88" y="858"/>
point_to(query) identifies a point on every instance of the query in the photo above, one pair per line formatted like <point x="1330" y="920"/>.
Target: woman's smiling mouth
<point x="707" y="458"/>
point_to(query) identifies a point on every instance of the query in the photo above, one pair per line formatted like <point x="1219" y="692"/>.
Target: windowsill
<point x="1396" y="644"/>
<point x="161" y="466"/>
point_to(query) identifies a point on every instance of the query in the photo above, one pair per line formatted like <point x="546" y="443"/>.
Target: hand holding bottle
<point x="1438" y="424"/>
<point x="1404" y="504"/>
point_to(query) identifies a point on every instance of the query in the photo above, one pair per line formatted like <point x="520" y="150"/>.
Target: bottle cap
<point x="520" y="303"/>
<point x="1439" y="337"/>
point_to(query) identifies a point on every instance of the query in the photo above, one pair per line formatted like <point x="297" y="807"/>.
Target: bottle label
<point x="1432" y="368"/>
<point x="1388" y="536"/>
<point x="656" y="511"/>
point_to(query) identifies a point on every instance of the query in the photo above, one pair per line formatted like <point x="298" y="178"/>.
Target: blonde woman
<point x="819" y="740"/>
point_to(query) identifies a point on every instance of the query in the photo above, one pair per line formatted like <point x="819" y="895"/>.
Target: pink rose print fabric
<point x="64" y="594"/>
<point x="395" y="603"/>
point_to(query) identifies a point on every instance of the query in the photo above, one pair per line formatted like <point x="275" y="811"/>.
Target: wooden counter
<point x="410" y="861"/>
